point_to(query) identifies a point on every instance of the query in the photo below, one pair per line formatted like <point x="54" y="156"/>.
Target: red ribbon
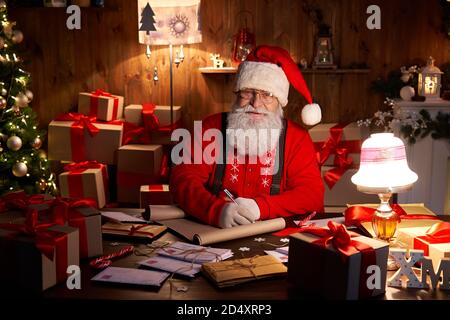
<point x="48" y="242"/>
<point x="18" y="201"/>
<point x="80" y="122"/>
<point x="438" y="233"/>
<point x="354" y="215"/>
<point x="341" y="151"/>
<point x="151" y="121"/>
<point x="341" y="239"/>
<point x="93" y="109"/>
<point x="134" y="134"/>
<point x="75" y="181"/>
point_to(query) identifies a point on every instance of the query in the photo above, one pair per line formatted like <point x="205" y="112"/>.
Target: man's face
<point x="263" y="102"/>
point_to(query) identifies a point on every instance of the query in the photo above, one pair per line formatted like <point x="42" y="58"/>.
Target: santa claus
<point x="270" y="167"/>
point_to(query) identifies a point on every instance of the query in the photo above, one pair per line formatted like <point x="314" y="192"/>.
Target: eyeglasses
<point x="249" y="94"/>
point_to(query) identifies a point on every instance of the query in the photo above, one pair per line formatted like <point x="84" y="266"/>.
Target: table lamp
<point x="169" y="22"/>
<point x="384" y="170"/>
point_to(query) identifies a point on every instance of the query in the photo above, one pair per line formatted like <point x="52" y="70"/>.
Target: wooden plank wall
<point x="106" y="54"/>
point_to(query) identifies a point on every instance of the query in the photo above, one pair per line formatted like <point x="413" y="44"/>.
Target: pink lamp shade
<point x="383" y="165"/>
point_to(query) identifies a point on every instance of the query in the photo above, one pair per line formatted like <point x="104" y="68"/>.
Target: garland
<point x="411" y="125"/>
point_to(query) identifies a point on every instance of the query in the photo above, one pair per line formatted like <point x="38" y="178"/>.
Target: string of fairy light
<point x="23" y="164"/>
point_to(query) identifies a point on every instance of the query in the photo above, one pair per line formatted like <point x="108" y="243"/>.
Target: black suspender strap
<point x="279" y="161"/>
<point x="220" y="167"/>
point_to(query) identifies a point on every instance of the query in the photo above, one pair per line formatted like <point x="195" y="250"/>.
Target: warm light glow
<point x="383" y="165"/>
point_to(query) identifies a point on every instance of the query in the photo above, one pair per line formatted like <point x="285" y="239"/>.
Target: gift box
<point x="100" y="104"/>
<point x="39" y="260"/>
<point x="87" y="179"/>
<point x="434" y="240"/>
<point x="155" y="194"/>
<point x="344" y="139"/>
<point x="133" y="114"/>
<point x="343" y="191"/>
<point x="82" y="140"/>
<point x="88" y="220"/>
<point x="137" y="165"/>
<point x="316" y="266"/>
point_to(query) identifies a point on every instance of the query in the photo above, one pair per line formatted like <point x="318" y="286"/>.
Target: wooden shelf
<point x="231" y="70"/>
<point x="227" y="70"/>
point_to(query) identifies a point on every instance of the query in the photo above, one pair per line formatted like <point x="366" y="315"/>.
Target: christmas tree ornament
<point x="19" y="169"/>
<point x="29" y="95"/>
<point x="22" y="100"/>
<point x="42" y="184"/>
<point x="2" y="5"/>
<point x="17" y="36"/>
<point x="155" y="74"/>
<point x="37" y="143"/>
<point x="4" y="92"/>
<point x="3" y="137"/>
<point x="244" y="39"/>
<point x="14" y="143"/>
<point x="2" y="103"/>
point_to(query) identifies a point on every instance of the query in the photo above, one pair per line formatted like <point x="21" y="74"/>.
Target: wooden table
<point x="200" y="288"/>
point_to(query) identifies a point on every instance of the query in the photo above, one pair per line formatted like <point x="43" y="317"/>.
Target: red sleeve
<point x="188" y="182"/>
<point x="303" y="189"/>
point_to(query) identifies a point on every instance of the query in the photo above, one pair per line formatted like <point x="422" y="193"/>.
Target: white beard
<point x="253" y="136"/>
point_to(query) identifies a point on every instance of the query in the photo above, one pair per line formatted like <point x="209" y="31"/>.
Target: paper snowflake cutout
<point x="265" y="182"/>
<point x="234" y="177"/>
<point x="260" y="239"/>
<point x="284" y="240"/>
<point x="244" y="249"/>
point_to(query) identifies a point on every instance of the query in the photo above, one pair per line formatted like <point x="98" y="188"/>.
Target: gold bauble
<point x="2" y="5"/>
<point x="22" y="100"/>
<point x="14" y="143"/>
<point x="19" y="169"/>
<point x="37" y="143"/>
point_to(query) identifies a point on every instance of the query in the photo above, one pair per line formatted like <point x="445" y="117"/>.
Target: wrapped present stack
<point x="40" y="236"/>
<point x="136" y="147"/>
<point x="338" y="148"/>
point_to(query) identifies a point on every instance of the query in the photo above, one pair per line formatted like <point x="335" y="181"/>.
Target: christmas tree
<point x="147" y="20"/>
<point x="23" y="164"/>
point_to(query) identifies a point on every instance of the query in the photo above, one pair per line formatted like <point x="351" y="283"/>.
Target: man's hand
<point x="252" y="213"/>
<point x="233" y="215"/>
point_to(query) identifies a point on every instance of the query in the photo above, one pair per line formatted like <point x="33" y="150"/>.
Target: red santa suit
<point x="269" y="69"/>
<point x="301" y="188"/>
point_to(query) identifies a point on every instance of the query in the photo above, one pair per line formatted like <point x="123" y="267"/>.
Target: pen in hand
<point x="228" y="193"/>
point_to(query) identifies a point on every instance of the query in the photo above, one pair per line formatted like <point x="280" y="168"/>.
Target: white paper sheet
<point x="118" y="216"/>
<point x="132" y="276"/>
<point x="172" y="265"/>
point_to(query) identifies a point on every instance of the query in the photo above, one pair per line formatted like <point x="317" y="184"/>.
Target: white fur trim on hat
<point x="263" y="76"/>
<point x="311" y="114"/>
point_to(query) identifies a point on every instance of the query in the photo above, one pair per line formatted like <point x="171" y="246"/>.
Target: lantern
<point x="324" y="50"/>
<point x="429" y="84"/>
<point x="244" y="40"/>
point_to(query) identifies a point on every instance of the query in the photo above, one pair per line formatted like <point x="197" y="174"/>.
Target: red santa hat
<point x="272" y="69"/>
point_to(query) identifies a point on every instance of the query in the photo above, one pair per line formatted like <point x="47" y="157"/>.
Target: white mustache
<point x="250" y="108"/>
